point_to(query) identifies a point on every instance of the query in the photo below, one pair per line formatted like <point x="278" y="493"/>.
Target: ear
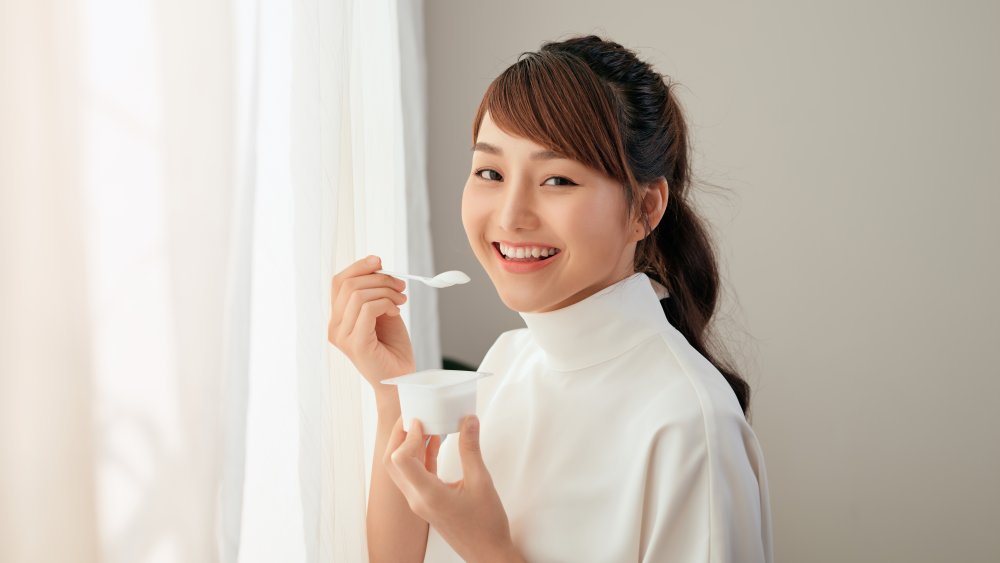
<point x="654" y="203"/>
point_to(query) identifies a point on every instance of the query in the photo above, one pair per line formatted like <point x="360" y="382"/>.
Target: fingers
<point x="433" y="447"/>
<point x="359" y="275"/>
<point x="410" y="460"/>
<point x="364" y="330"/>
<point x="347" y="287"/>
<point x="364" y="266"/>
<point x="364" y="306"/>
<point x="393" y="454"/>
<point x="473" y="466"/>
<point x="413" y="442"/>
<point x="396" y="438"/>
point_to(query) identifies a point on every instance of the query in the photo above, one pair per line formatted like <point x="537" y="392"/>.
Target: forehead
<point x="491" y="133"/>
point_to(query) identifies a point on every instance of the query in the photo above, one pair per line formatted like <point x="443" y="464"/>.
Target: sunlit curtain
<point x="344" y="180"/>
<point x="179" y="181"/>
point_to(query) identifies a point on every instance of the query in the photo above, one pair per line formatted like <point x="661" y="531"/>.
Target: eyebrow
<point x="540" y="155"/>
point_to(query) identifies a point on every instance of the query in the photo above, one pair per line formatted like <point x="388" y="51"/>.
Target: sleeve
<point x="702" y="499"/>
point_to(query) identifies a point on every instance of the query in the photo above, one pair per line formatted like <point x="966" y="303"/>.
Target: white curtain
<point x="179" y="181"/>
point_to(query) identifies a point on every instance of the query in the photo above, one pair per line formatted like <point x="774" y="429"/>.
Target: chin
<point x="517" y="304"/>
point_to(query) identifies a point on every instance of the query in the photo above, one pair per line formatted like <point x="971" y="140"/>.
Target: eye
<point x="567" y="181"/>
<point x="564" y="181"/>
<point x="480" y="171"/>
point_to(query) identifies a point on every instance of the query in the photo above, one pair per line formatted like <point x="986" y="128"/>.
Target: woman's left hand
<point x="467" y="513"/>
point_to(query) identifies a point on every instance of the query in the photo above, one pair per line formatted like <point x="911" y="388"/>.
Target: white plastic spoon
<point x="444" y="279"/>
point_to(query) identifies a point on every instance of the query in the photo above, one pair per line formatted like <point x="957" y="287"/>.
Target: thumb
<point x="473" y="467"/>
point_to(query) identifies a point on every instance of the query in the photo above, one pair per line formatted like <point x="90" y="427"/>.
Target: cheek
<point x="473" y="213"/>
<point x="593" y="227"/>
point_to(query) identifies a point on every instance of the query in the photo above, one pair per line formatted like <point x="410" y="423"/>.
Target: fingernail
<point x="473" y="424"/>
<point x="373" y="260"/>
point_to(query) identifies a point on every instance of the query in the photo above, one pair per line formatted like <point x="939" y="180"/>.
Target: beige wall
<point x="859" y="144"/>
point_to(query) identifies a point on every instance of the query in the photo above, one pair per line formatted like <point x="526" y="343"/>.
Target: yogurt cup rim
<point x="470" y="375"/>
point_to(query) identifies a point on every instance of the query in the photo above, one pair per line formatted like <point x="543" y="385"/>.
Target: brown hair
<point x="597" y="103"/>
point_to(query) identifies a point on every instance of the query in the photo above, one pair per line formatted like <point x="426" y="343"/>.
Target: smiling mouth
<point x="496" y="245"/>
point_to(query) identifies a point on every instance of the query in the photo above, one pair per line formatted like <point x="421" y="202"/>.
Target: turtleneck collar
<point x="602" y="326"/>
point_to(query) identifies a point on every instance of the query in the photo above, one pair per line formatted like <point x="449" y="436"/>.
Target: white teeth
<point x="522" y="252"/>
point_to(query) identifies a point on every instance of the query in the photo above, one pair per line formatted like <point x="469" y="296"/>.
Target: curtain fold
<point x="179" y="182"/>
<point x="346" y="179"/>
<point x="370" y="165"/>
<point x="47" y="442"/>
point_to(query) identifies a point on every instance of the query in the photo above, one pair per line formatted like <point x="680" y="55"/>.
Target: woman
<point x="609" y="431"/>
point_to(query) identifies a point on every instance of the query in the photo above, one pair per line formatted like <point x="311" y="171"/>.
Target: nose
<point x="517" y="208"/>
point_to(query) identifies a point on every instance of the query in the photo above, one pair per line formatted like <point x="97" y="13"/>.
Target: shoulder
<point x="513" y="336"/>
<point x="496" y="362"/>
<point x="693" y="426"/>
<point x="692" y="397"/>
<point x="703" y="461"/>
<point x="502" y="348"/>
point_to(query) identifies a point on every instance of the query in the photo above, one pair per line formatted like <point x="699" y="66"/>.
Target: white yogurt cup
<point x="440" y="398"/>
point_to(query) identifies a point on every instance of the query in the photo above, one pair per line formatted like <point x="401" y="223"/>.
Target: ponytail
<point x="693" y="282"/>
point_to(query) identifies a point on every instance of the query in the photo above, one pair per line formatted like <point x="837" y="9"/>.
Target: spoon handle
<point x="407" y="276"/>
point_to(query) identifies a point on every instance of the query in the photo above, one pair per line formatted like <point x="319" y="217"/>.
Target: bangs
<point x="557" y="101"/>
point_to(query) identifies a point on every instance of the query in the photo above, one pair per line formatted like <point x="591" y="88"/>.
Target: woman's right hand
<point x="365" y="322"/>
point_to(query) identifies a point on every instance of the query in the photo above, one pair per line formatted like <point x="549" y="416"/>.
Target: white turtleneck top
<point x="610" y="439"/>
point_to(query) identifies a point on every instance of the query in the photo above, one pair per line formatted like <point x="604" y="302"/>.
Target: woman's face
<point x="521" y="194"/>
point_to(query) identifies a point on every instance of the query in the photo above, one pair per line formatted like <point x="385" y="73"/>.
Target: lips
<point x="525" y="244"/>
<point x="522" y="266"/>
<point x="547" y="250"/>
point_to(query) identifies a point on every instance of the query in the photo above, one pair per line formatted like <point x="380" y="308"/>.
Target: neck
<point x="601" y="325"/>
